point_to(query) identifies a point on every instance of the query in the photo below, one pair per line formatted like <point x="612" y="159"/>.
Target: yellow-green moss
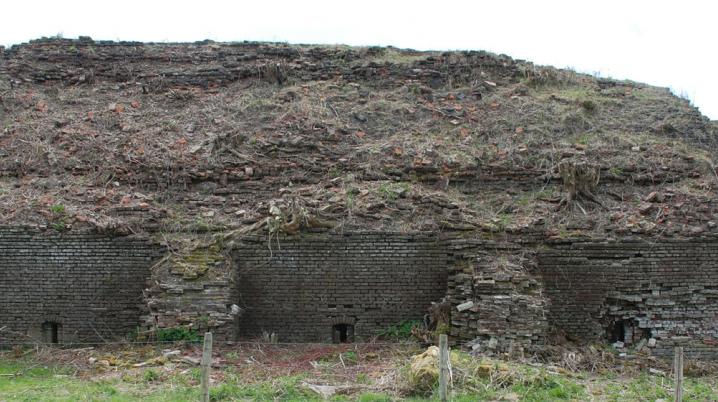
<point x="197" y="262"/>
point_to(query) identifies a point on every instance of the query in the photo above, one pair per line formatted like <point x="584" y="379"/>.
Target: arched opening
<point x="51" y="332"/>
<point x="342" y="333"/>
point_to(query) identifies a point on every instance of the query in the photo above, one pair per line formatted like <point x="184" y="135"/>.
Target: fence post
<point x="678" y="373"/>
<point x="205" y="366"/>
<point x="443" y="366"/>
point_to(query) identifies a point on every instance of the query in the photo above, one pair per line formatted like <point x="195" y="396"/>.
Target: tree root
<point x="580" y="179"/>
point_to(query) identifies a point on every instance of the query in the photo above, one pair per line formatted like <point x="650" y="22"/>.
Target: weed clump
<point x="151" y="375"/>
<point x="57" y="217"/>
<point x="538" y="77"/>
<point x="177" y="334"/>
<point x="588" y="106"/>
<point x="400" y="331"/>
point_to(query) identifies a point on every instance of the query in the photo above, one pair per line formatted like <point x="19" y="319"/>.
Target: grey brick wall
<point x="89" y="284"/>
<point x="666" y="290"/>
<point x="304" y="285"/>
<point x="530" y="294"/>
<point x="519" y="294"/>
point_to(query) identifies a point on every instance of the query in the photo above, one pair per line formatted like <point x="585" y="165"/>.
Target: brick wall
<point x="305" y="285"/>
<point x="502" y="293"/>
<point x="506" y="294"/>
<point x="667" y="291"/>
<point x="497" y="299"/>
<point x="89" y="284"/>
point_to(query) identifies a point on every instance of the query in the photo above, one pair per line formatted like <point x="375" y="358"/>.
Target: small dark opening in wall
<point x="617" y="332"/>
<point x="51" y="332"/>
<point x="342" y="333"/>
<point x="348" y="306"/>
<point x="626" y="331"/>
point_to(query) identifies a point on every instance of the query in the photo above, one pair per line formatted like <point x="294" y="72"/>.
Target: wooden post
<point x="205" y="366"/>
<point x="443" y="366"/>
<point x="678" y="373"/>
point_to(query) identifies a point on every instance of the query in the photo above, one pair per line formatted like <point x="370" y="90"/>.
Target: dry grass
<point x="485" y="142"/>
<point x="361" y="372"/>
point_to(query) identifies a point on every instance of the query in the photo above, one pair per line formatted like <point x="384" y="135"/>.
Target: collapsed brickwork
<point x="304" y="287"/>
<point x="635" y="291"/>
<point x="72" y="287"/>
<point x="643" y="294"/>
<point x="498" y="301"/>
<point x="196" y="289"/>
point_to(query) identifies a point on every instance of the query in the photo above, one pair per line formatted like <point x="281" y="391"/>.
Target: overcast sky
<point x="665" y="43"/>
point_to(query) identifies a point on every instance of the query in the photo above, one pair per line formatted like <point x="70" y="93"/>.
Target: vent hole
<point x="342" y="333"/>
<point x="51" y="332"/>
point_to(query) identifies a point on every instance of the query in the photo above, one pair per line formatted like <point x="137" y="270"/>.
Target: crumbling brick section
<point x="70" y="287"/>
<point x="306" y="287"/>
<point x="657" y="294"/>
<point x="496" y="297"/>
<point x="196" y="289"/>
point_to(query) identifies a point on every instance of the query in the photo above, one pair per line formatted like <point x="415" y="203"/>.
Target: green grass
<point x="45" y="383"/>
<point x="400" y="331"/>
<point x="374" y="397"/>
<point x="175" y="334"/>
<point x="161" y="384"/>
<point x="392" y="191"/>
<point x="283" y="389"/>
<point x="57" y="212"/>
<point x="552" y="388"/>
<point x="57" y="209"/>
<point x="647" y="387"/>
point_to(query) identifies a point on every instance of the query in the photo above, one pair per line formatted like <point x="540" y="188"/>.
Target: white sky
<point x="665" y="43"/>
